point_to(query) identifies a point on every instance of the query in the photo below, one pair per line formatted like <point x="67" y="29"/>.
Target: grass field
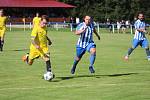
<point x="115" y="79"/>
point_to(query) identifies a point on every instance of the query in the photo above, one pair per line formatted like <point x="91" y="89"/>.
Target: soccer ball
<point x="48" y="76"/>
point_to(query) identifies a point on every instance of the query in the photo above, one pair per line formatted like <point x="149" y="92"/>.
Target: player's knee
<point x="46" y="58"/>
<point x="93" y="50"/>
<point x="77" y="58"/>
<point x="2" y="38"/>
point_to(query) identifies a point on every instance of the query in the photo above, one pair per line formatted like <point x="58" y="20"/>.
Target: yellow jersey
<point x="40" y="35"/>
<point x="36" y="21"/>
<point x="3" y="21"/>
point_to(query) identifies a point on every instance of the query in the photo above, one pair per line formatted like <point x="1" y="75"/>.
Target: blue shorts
<point x="80" y="51"/>
<point x="142" y="43"/>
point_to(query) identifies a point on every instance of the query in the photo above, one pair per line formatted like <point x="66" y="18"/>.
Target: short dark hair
<point x="2" y="10"/>
<point x="85" y="17"/>
<point x="44" y="17"/>
<point x="139" y="14"/>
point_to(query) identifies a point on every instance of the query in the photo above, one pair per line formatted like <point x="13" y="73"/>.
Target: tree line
<point x="100" y="10"/>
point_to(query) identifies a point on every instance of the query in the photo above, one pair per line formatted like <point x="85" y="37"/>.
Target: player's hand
<point x="144" y="31"/>
<point x="49" y="43"/>
<point x="99" y="37"/>
<point x="37" y="46"/>
<point x="85" y="27"/>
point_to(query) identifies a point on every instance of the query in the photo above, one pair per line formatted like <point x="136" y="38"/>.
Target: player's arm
<point x="7" y="19"/>
<point x="34" y="42"/>
<point x="33" y="37"/>
<point x="98" y="36"/>
<point x="137" y="27"/>
<point x="33" y="22"/>
<point x="78" y="32"/>
<point x="141" y="30"/>
<point x="49" y="41"/>
<point x="81" y="28"/>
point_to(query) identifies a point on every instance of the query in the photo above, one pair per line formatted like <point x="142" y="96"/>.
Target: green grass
<point x="115" y="79"/>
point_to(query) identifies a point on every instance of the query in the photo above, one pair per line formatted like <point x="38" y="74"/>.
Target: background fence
<point x="59" y="26"/>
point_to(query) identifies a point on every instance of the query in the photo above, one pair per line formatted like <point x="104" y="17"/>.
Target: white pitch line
<point x="65" y="86"/>
<point x="70" y="86"/>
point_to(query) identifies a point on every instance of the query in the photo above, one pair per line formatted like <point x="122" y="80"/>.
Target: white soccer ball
<point x="48" y="76"/>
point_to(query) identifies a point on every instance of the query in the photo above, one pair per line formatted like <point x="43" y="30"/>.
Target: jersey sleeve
<point x="80" y="26"/>
<point x="33" y="21"/>
<point x="6" y="18"/>
<point x="34" y="32"/>
<point x="137" y="25"/>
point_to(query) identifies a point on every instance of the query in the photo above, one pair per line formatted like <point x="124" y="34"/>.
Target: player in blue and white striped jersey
<point x="85" y="43"/>
<point x="139" y="37"/>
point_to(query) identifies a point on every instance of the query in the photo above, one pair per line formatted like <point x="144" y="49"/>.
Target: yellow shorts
<point x="34" y="53"/>
<point x="2" y="31"/>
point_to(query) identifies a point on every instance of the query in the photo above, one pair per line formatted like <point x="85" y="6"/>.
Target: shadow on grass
<point x="57" y="79"/>
<point x="17" y="50"/>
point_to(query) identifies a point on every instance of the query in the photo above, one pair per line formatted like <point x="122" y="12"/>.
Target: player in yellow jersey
<point x="39" y="45"/>
<point x="36" y="20"/>
<point x="2" y="28"/>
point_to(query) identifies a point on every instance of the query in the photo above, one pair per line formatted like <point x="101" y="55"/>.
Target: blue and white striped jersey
<point x="85" y="37"/>
<point x="139" y="25"/>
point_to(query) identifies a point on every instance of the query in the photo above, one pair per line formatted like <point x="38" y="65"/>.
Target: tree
<point x="113" y="9"/>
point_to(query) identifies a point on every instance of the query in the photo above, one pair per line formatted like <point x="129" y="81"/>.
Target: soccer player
<point x="36" y="20"/>
<point x="39" y="45"/>
<point x="2" y="28"/>
<point x="139" y="37"/>
<point x="85" y="43"/>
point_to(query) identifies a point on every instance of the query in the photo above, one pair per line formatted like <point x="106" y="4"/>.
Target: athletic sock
<point x="92" y="59"/>
<point x="75" y="64"/>
<point x="48" y="66"/>
<point x="148" y="53"/>
<point x="2" y="43"/>
<point x="130" y="51"/>
<point x="0" y="46"/>
<point x="27" y="59"/>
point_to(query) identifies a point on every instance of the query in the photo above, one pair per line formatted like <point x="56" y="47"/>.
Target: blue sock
<point x="75" y="63"/>
<point x="148" y="53"/>
<point x="92" y="59"/>
<point x="130" y="51"/>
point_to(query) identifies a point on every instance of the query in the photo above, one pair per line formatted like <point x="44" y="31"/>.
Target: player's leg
<point x="148" y="53"/>
<point x="145" y="45"/>
<point x="45" y="54"/>
<point x="124" y="29"/>
<point x="118" y="29"/>
<point x="0" y="44"/>
<point x="79" y="53"/>
<point x="46" y="58"/>
<point x="135" y="43"/>
<point x="130" y="50"/>
<point x="2" y="39"/>
<point x="92" y="49"/>
<point x="27" y="59"/>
